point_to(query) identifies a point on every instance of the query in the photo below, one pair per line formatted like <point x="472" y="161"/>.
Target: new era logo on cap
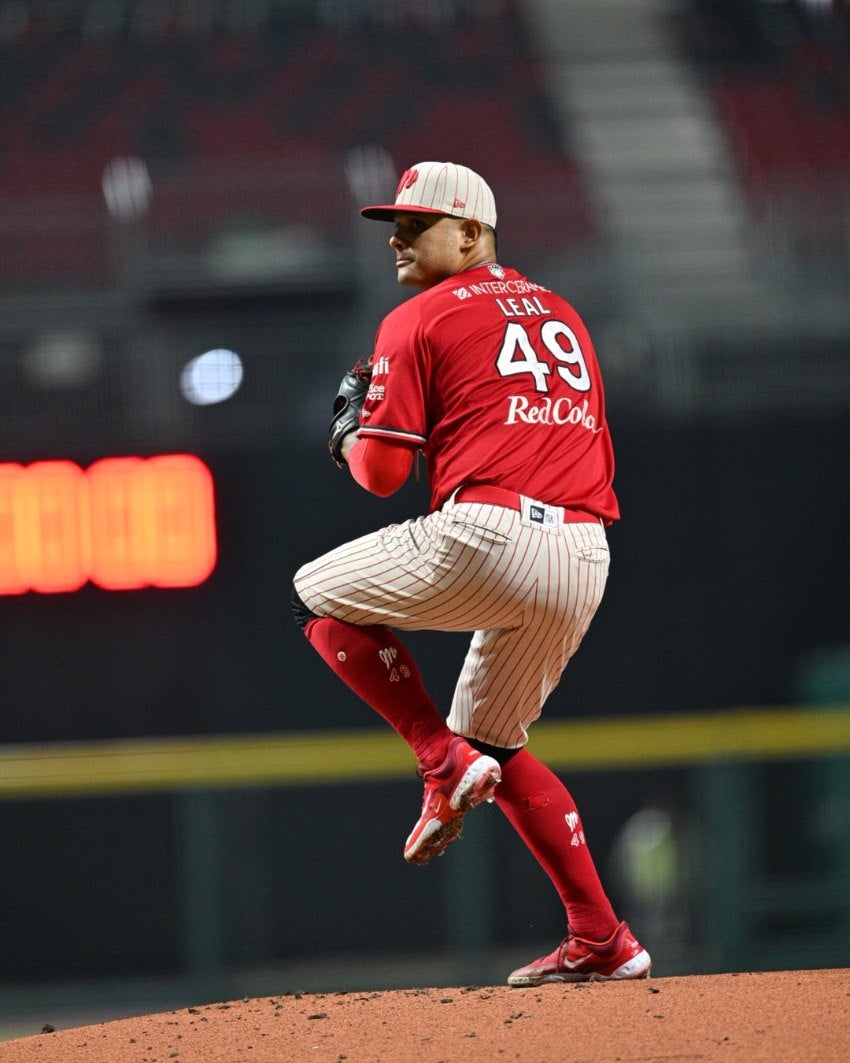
<point x="439" y="188"/>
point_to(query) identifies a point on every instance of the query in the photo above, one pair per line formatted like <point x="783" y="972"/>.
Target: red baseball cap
<point x="439" y="188"/>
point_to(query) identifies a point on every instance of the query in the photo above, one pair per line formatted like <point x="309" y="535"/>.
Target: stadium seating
<point x="779" y="78"/>
<point x="296" y="100"/>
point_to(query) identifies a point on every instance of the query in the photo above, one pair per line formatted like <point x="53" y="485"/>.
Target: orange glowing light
<point x="124" y="523"/>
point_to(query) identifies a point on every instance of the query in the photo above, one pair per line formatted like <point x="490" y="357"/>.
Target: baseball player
<point x="493" y="377"/>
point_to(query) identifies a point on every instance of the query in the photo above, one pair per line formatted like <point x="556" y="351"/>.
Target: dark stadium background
<point x="261" y="126"/>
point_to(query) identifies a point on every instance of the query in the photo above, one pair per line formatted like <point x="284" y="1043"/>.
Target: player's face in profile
<point x="427" y="248"/>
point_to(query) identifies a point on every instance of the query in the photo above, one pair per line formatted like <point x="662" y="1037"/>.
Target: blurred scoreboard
<point x="123" y="523"/>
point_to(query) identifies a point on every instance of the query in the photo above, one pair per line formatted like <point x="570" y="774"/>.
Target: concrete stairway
<point x="659" y="169"/>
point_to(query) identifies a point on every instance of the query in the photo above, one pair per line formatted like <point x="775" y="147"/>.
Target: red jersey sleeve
<point x="397" y="400"/>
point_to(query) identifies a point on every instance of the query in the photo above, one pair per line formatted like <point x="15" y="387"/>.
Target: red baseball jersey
<point x="496" y="378"/>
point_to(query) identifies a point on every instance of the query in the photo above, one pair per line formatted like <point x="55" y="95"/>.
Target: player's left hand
<point x="348" y="403"/>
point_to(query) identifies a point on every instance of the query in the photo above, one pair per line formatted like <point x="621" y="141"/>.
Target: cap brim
<point x="388" y="211"/>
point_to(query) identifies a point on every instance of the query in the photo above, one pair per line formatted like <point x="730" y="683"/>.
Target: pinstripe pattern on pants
<point x="527" y="592"/>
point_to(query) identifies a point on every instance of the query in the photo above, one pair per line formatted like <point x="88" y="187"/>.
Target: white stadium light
<point x="211" y="377"/>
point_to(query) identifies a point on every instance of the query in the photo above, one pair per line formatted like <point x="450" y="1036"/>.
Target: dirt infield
<point x="789" y="1016"/>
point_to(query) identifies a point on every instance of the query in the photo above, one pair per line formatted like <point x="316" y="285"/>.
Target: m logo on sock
<point x="388" y="655"/>
<point x="576" y="833"/>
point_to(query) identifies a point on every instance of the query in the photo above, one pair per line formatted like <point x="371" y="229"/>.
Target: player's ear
<point x="470" y="231"/>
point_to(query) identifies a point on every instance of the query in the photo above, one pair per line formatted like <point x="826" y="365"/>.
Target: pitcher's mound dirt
<point x="789" y="1015"/>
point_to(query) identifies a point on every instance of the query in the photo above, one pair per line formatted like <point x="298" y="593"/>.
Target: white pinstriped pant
<point x="528" y="594"/>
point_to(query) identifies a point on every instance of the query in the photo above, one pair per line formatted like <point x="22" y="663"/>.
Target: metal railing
<point x="74" y="769"/>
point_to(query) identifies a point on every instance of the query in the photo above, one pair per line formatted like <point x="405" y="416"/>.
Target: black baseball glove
<point x="347" y="406"/>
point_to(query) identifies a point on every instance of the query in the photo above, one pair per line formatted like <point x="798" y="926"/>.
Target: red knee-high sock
<point x="380" y="670"/>
<point x="541" y="810"/>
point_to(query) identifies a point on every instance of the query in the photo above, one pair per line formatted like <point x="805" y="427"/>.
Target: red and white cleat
<point x="465" y="779"/>
<point x="578" y="960"/>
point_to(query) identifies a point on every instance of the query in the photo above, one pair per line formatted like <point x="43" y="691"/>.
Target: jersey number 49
<point x="518" y="355"/>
